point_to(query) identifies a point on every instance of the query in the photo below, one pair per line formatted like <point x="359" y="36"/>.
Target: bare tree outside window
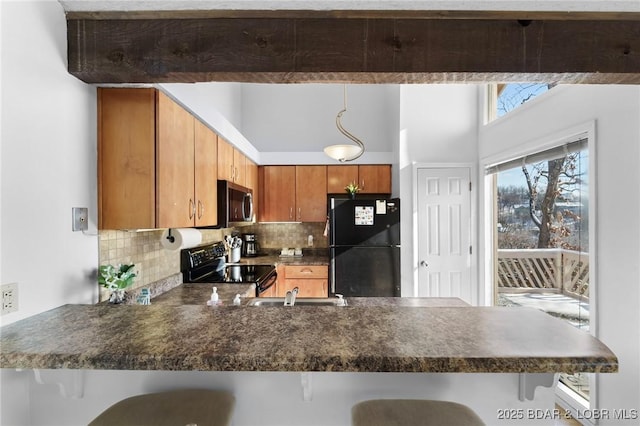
<point x="553" y="188"/>
<point x="511" y="96"/>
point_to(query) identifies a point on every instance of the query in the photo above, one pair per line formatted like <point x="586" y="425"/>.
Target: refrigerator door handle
<point x="332" y="274"/>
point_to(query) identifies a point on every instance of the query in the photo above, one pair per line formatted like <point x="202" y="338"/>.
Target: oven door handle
<point x="268" y="283"/>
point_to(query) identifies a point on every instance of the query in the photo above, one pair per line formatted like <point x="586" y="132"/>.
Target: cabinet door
<point x="225" y="160"/>
<point x="206" y="175"/>
<point x="375" y="179"/>
<point x="311" y="193"/>
<point x="175" y="165"/>
<point x="340" y="176"/>
<point x="279" y="196"/>
<point x="239" y="168"/>
<point x="306" y="288"/>
<point x="126" y="158"/>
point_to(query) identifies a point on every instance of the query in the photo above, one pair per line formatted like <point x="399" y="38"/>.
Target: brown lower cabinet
<point x="311" y="280"/>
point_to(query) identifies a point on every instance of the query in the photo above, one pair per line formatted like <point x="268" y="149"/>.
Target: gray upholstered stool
<point x="174" y="408"/>
<point x="413" y="412"/>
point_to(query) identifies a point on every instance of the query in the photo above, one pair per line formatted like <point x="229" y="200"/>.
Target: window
<point x="541" y="244"/>
<point x="507" y="97"/>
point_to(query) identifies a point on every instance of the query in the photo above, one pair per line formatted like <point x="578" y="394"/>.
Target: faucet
<point x="290" y="297"/>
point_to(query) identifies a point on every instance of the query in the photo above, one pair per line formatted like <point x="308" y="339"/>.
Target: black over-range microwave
<point x="235" y="204"/>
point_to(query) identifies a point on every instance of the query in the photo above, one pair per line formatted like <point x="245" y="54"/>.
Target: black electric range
<point x="206" y="264"/>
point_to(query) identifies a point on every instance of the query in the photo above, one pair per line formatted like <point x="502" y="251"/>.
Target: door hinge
<point x="469" y="186"/>
<point x="470" y="249"/>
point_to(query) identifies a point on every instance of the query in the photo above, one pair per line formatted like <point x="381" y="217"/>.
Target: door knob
<point x="424" y="263"/>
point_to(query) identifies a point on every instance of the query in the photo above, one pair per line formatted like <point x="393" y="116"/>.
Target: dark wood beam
<point x="377" y="49"/>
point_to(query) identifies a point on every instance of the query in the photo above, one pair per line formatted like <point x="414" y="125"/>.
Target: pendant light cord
<point x="345" y="131"/>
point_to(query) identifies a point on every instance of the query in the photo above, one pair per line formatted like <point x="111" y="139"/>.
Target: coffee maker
<point x="250" y="246"/>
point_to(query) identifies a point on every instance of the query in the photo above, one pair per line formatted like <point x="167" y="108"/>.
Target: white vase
<point x="117" y="296"/>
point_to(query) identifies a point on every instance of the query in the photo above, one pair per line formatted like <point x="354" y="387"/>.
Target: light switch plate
<point x="80" y="218"/>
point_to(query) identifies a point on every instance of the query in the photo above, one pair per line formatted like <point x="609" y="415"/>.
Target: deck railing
<point x="536" y="270"/>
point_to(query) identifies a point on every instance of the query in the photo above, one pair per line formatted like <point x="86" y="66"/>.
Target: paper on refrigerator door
<point x="364" y="215"/>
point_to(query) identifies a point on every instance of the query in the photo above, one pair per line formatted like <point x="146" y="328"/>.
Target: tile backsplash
<point x="154" y="263"/>
<point x="291" y="235"/>
<point x="143" y="248"/>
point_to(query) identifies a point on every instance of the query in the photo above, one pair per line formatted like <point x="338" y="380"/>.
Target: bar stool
<point x="174" y="408"/>
<point x="414" y="412"/>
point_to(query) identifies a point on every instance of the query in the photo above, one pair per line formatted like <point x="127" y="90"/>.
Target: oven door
<point x="267" y="286"/>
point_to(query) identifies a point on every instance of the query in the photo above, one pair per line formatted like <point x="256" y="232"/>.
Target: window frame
<point x="487" y="293"/>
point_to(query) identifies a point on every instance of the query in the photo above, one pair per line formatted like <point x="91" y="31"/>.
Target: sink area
<point x="299" y="301"/>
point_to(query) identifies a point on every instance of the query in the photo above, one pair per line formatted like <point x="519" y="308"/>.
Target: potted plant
<point x="352" y="189"/>
<point x="116" y="280"/>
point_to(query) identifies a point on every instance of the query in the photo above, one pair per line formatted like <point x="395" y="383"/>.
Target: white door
<point x="444" y="233"/>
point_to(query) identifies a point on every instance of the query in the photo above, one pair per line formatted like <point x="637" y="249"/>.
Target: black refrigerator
<point x="364" y="244"/>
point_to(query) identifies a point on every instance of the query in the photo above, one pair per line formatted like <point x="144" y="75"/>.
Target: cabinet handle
<point x="306" y="271"/>
<point x="290" y="213"/>
<point x="299" y="213"/>
<point x="233" y="174"/>
<point x="362" y="184"/>
<point x="192" y="209"/>
<point x="200" y="209"/>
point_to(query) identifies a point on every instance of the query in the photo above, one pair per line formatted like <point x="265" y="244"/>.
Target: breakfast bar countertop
<point x="362" y="337"/>
<point x="200" y="293"/>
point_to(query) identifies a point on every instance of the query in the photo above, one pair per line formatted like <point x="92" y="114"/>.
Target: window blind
<point x="537" y="157"/>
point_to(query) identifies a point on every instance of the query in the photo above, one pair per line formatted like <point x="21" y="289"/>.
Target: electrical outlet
<point x="9" y="298"/>
<point x="80" y="218"/>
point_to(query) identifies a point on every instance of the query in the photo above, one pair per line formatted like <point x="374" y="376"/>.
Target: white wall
<point x="292" y="123"/>
<point x="48" y="166"/>
<point x="616" y="111"/>
<point x="438" y="125"/>
<point x="48" y="163"/>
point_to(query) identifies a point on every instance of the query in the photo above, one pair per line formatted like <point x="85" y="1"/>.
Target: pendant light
<point x="344" y="152"/>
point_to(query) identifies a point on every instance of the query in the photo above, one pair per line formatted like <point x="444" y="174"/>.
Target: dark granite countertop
<point x="419" y="302"/>
<point x="356" y="338"/>
<point x="272" y="257"/>
<point x="200" y="293"/>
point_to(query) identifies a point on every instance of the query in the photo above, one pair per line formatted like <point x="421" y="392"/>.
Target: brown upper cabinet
<point x="278" y="193"/>
<point x="293" y="193"/>
<point x="311" y="193"/>
<point x="206" y="173"/>
<point x="372" y="179"/>
<point x="340" y="176"/>
<point x="231" y="163"/>
<point x="156" y="162"/>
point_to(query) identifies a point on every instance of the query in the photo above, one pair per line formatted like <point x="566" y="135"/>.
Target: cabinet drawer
<point x="306" y="271"/>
